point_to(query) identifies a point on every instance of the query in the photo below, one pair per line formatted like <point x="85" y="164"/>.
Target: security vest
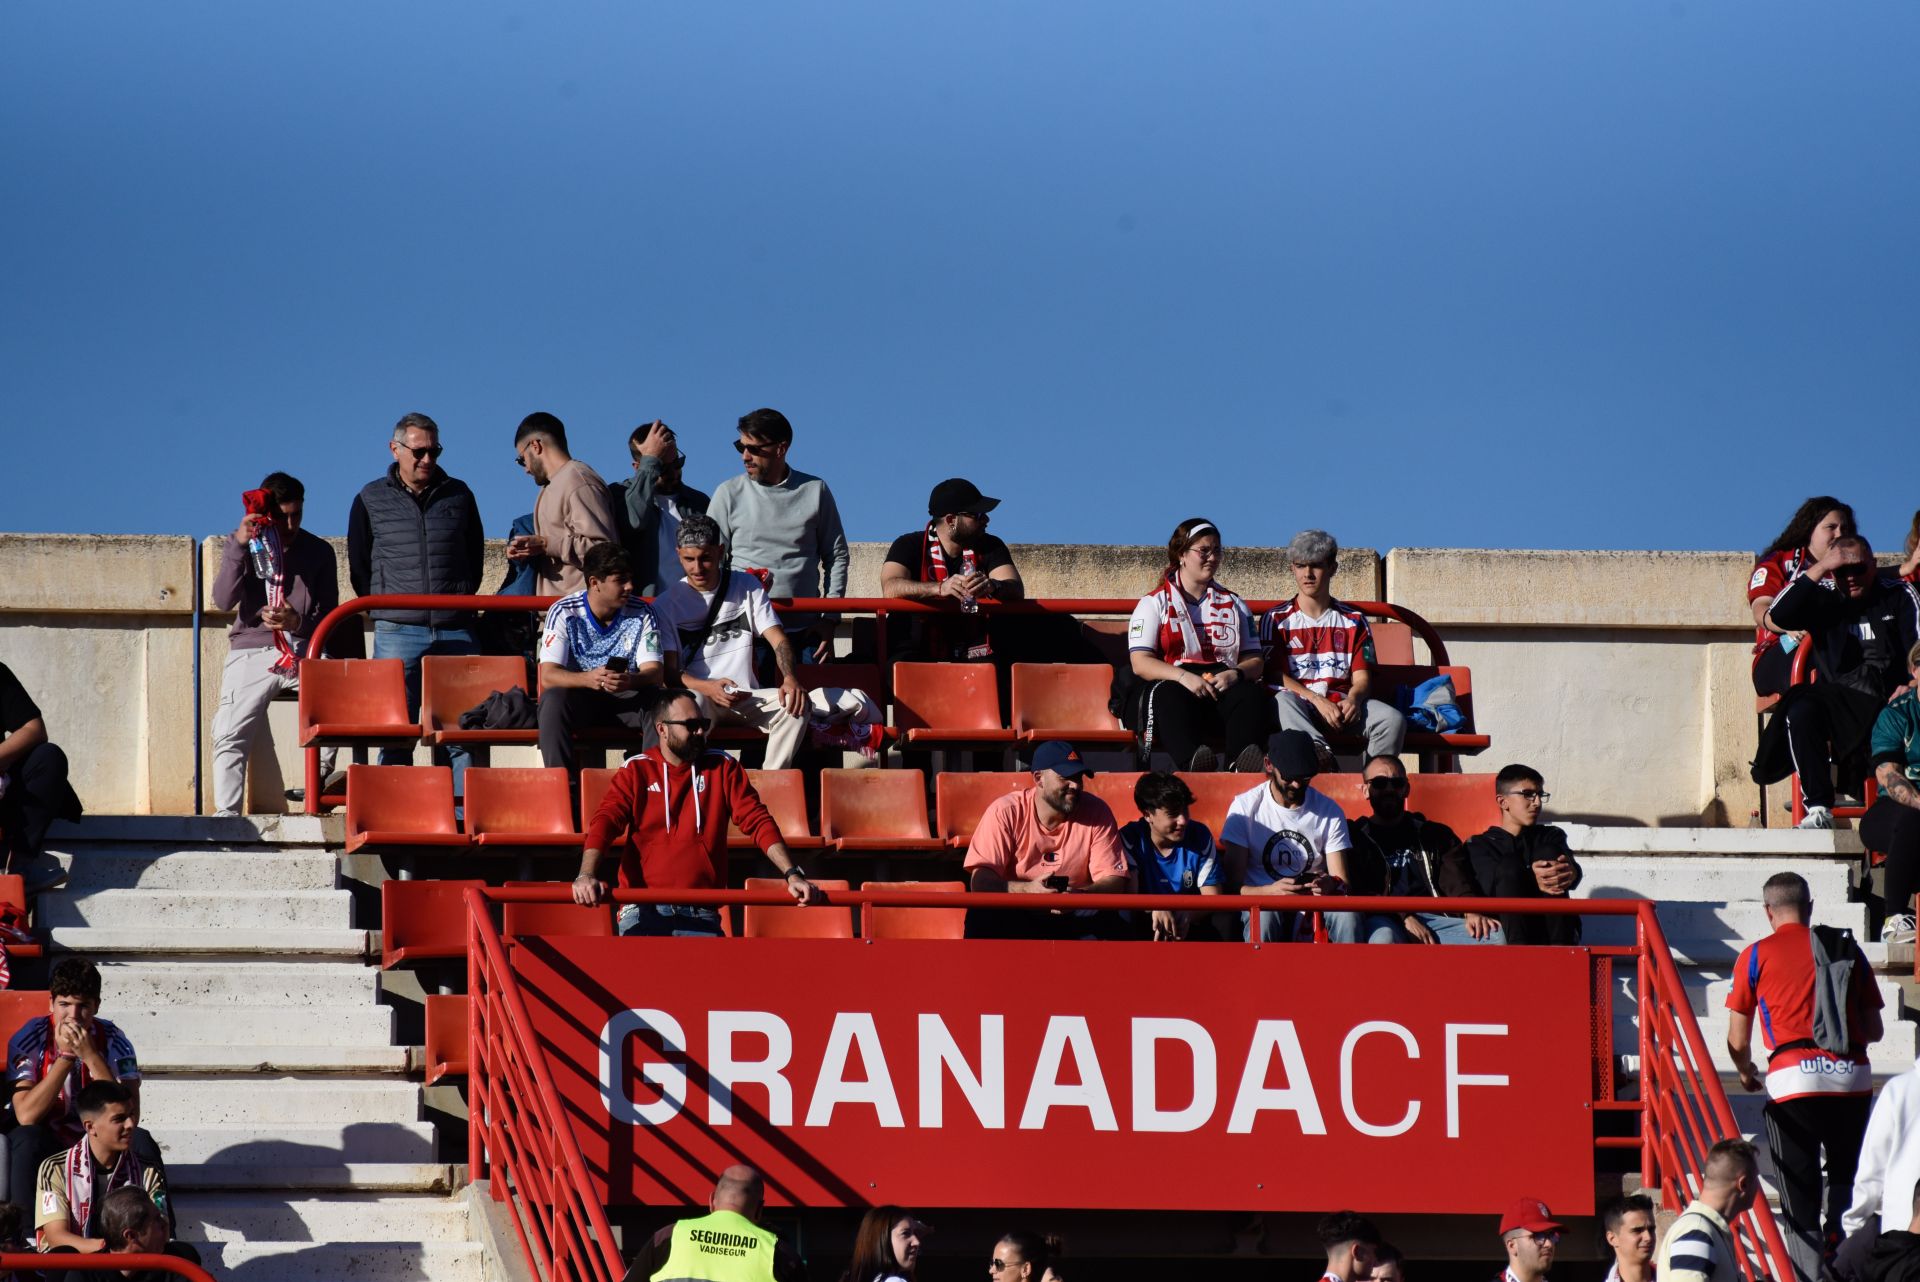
<point x="722" y="1247"/>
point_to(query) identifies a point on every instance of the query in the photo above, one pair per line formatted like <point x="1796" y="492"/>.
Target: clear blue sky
<point x="1489" y="274"/>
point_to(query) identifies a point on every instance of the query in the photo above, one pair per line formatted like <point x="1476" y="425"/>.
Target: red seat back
<point x="961" y="797"/>
<point x="363" y="693"/>
<point x="423" y="919"/>
<point x="18" y="1005"/>
<point x="1213" y="793"/>
<point x="873" y="803"/>
<point x="1392" y="641"/>
<point x="519" y="800"/>
<point x="1115" y="787"/>
<point x="1066" y="697"/>
<point x="594" y="783"/>
<point x="13" y="890"/>
<point x="446" y="1037"/>
<point x="818" y="921"/>
<point x="450" y="684"/>
<point x="882" y="922"/>
<point x="784" y="794"/>
<point x="945" y="696"/>
<point x="399" y="799"/>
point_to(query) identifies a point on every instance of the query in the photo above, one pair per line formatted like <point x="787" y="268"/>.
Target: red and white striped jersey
<point x="1322" y="654"/>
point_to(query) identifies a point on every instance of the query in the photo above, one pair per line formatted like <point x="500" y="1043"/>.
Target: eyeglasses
<point x="1544" y="1239"/>
<point x="758" y="451"/>
<point x="692" y="723"/>
<point x="420" y="452"/>
<point x="1530" y="794"/>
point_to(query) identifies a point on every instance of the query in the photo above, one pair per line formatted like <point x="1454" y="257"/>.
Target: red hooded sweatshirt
<point x="669" y="823"/>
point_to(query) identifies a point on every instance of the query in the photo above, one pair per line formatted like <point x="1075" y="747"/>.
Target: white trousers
<point x="248" y="684"/>
<point x="761" y="709"/>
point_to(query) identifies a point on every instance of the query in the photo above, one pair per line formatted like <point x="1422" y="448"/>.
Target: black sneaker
<point x="1203" y="760"/>
<point x="1250" y="761"/>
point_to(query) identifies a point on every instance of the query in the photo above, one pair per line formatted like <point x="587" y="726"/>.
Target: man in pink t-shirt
<point x="1050" y="839"/>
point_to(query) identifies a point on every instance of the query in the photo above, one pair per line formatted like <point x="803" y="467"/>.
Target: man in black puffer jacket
<point x="1520" y="858"/>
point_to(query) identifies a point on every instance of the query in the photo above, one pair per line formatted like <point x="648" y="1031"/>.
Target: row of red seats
<point x="411" y="808"/>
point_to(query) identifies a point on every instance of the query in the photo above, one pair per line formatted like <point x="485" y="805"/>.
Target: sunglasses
<point x="758" y="451"/>
<point x="997" y="1264"/>
<point x="421" y="452"/>
<point x="1853" y="571"/>
<point x="1386" y="783"/>
<point x="692" y="723"/>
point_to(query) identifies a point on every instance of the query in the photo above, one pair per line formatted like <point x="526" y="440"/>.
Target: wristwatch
<point x="795" y="869"/>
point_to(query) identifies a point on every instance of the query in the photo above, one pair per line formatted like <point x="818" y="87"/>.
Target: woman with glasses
<point x="1808" y="536"/>
<point x="1022" y="1257"/>
<point x="1196" y="668"/>
<point x="887" y="1247"/>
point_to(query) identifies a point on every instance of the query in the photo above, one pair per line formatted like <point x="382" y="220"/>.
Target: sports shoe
<point x="855" y="736"/>
<point x="1324" y="755"/>
<point x="1817" y="817"/>
<point x="1249" y="761"/>
<point x="1203" y="760"/>
<point x="1898" y="929"/>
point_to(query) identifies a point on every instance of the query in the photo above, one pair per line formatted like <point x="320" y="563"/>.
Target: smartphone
<point x="616" y="664"/>
<point x="1058" y="882"/>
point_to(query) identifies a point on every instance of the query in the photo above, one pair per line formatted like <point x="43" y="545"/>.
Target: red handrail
<point x="879" y="607"/>
<point x="520" y="1138"/>
<point x="34" y="1262"/>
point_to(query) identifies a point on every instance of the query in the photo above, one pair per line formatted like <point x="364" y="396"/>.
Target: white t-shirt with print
<point x="728" y="653"/>
<point x="1280" y="842"/>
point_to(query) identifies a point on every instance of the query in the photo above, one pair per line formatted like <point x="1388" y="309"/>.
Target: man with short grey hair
<point x="1320" y="658"/>
<point x="417" y="531"/>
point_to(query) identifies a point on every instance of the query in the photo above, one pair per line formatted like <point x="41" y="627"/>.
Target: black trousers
<point x="1894" y="831"/>
<point x="568" y="709"/>
<point x="1825" y="723"/>
<point x="29" y="1146"/>
<point x="37" y="794"/>
<point x="1173" y="720"/>
<point x="1799" y="1131"/>
<point x="1773" y="671"/>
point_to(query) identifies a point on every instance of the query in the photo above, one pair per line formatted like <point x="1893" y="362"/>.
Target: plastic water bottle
<point x="261" y="554"/>
<point x="968" y="565"/>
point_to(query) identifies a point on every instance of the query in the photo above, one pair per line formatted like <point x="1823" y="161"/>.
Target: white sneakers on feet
<point x="1817" y="817"/>
<point x="1898" y="929"/>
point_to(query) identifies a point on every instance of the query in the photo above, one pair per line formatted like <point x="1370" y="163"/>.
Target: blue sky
<point x="1483" y="274"/>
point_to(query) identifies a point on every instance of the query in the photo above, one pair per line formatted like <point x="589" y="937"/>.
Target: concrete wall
<point x="1622" y="676"/>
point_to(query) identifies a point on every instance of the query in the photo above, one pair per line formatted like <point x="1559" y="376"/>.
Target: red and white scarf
<point x="1219" y="638"/>
<point x="934" y="569"/>
<point x="276" y="585"/>
<point x="78" y="1164"/>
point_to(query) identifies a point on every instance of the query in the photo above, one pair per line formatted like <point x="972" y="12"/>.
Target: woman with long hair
<point x="1196" y="664"/>
<point x="886" y="1248"/>
<point x="1023" y="1257"/>
<point x="1814" y="527"/>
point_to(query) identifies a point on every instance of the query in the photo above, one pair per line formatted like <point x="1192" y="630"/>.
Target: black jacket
<point x="400" y="542"/>
<point x="638" y="520"/>
<point x="1861" y="644"/>
<point x="1375" y="844"/>
<point x="1895" y="1258"/>
<point x="1498" y="865"/>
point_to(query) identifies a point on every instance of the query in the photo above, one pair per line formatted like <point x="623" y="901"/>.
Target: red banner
<point x="1118" y="1076"/>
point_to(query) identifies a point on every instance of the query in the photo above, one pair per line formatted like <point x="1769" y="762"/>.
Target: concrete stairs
<point x="297" y="1143"/>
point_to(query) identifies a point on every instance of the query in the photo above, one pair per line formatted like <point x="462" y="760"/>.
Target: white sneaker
<point x="1817" y="817"/>
<point x="1898" y="930"/>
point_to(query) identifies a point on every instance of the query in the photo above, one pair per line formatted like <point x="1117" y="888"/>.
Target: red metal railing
<point x="521" y="1141"/>
<point x="879" y="607"/>
<point x="32" y="1262"/>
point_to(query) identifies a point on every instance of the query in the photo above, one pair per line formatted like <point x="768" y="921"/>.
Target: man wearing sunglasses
<point x="1518" y="858"/>
<point x="572" y="514"/>
<point x="417" y="531"/>
<point x="1531" y="1236"/>
<point x="1859" y="632"/>
<point x="649" y="506"/>
<point x="1397" y="851"/>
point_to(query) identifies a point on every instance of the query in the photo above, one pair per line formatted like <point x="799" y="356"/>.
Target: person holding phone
<point x="1517" y="858"/>
<point x="602" y="652"/>
<point x="1284" y="837"/>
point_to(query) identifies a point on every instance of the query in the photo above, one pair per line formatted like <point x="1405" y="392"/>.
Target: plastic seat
<point x="1065" y="701"/>
<point x="13" y="892"/>
<point x="961" y="797"/>
<point x="446" y="1048"/>
<point x="18" y="1005"/>
<point x="354" y="701"/>
<point x="880" y="921"/>
<point x="1115" y="787"/>
<point x="522" y="920"/>
<point x="1392" y="641"/>
<point x="451" y="684"/>
<point x="784" y="794"/>
<point x="420" y="920"/>
<point x="594" y="783"/>
<point x="1463" y="803"/>
<point x="948" y="705"/>
<point x="879" y="811"/>
<point x="1388" y="679"/>
<point x="1214" y="793"/>
<point x="519" y="807"/>
<point x="401" y="807"/>
<point x="819" y="921"/>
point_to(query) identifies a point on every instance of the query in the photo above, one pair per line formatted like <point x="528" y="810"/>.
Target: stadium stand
<point x="1065" y="701"/>
<point x="762" y="921"/>
<point x="876" y="812"/>
<point x="948" y="705"/>
<point x="886" y="921"/>
<point x="454" y="684"/>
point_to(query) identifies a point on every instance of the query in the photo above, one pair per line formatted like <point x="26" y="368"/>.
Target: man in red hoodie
<point x="665" y="817"/>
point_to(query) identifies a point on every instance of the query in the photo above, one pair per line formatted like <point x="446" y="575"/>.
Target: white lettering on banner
<point x="670" y="1078"/>
<point x="724" y="1072"/>
<point x="1147" y="1113"/>
<point x="1048" y="1091"/>
<point x="1354" y="1119"/>
<point x="1255" y="1096"/>
<point x="833" y="1087"/>
<point x="986" y="1093"/>
<point x="1456" y="1079"/>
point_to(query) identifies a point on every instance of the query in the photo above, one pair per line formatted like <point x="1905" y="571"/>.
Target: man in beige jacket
<point x="572" y="513"/>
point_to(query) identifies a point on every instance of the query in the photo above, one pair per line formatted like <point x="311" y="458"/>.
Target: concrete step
<point x="148" y="983"/>
<point x="1713" y="933"/>
<point x="366" y="1217"/>
<point x="246" y="941"/>
<point x="307" y="1262"/>
<point x="363" y="1177"/>
<point x="166" y="1057"/>
<point x="254" y="1026"/>
<point x="160" y="868"/>
<point x="270" y="1148"/>
<point x="182" y="910"/>
<point x="183" y="831"/>
<point x="1725" y="878"/>
<point x="172" y="1103"/>
<point x="1785" y="847"/>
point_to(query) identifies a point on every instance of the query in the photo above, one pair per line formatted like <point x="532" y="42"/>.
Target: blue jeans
<point x="1281" y="927"/>
<point x="409" y="643"/>
<point x="1453" y="930"/>
<point x="658" y="921"/>
<point x="1366" y="928"/>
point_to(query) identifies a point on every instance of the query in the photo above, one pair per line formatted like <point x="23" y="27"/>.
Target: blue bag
<point x="1430" y="705"/>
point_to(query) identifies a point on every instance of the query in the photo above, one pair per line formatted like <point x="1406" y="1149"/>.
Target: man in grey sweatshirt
<point x="781" y="521"/>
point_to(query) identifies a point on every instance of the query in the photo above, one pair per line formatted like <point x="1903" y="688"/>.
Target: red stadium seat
<point x="784" y="794"/>
<point x="1115" y="787"/>
<point x="961" y="797"/>
<point x="18" y="1005"/>
<point x="422" y="919"/>
<point x="401" y="807"/>
<point x="948" y="705"/>
<point x="1466" y="741"/>
<point x="1345" y="790"/>
<point x="13" y="893"/>
<point x="1065" y="701"/>
<point x="521" y="920"/>
<point x="883" y="922"/>
<point x="1392" y="641"/>
<point x="1463" y="803"/>
<point x="878" y="811"/>
<point x="446" y="1048"/>
<point x="354" y="701"/>
<point x="594" y="783"/>
<point x="451" y="684"/>
<point x="819" y="921"/>
<point x="519" y="807"/>
<point x="1213" y="793"/>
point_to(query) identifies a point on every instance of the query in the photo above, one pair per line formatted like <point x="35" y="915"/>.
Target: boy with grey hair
<point x="1321" y="650"/>
<point x="716" y="612"/>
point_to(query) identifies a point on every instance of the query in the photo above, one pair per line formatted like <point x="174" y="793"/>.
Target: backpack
<point x="1834" y="957"/>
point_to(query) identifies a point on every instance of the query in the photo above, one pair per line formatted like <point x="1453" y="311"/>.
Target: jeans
<point x="409" y="643"/>
<point x="659" y="921"/>
<point x="1366" y="928"/>
<point x="1280" y="927"/>
<point x="1453" y="930"/>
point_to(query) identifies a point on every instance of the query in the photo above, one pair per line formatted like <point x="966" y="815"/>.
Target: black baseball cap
<point x="957" y="495"/>
<point x="1291" y="753"/>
